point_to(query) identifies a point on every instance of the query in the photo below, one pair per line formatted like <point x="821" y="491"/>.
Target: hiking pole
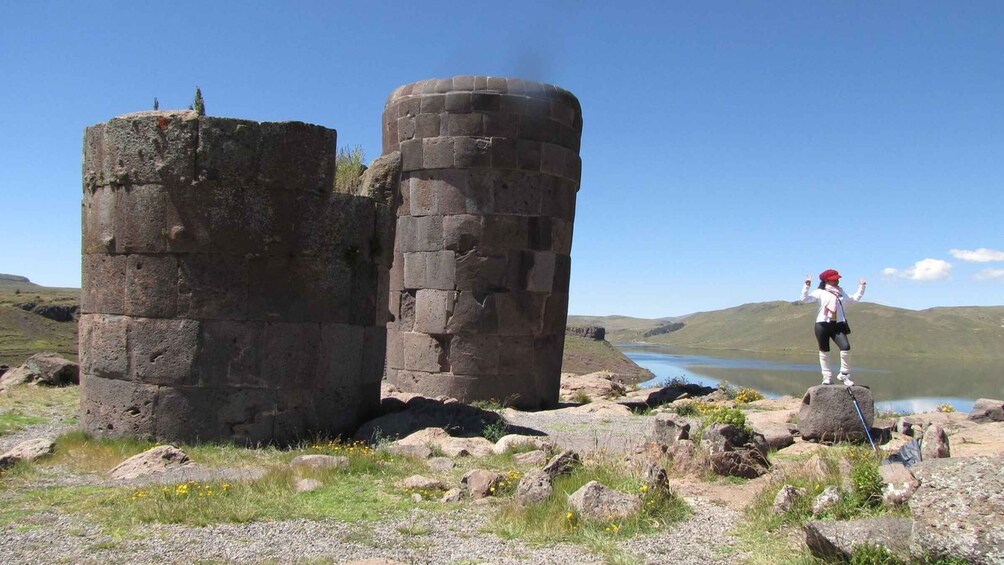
<point x="861" y="416"/>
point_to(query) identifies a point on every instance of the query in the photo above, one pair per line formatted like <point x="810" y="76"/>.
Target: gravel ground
<point x="447" y="538"/>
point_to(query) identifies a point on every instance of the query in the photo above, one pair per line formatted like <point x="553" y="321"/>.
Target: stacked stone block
<point x="479" y="283"/>
<point x="228" y="293"/>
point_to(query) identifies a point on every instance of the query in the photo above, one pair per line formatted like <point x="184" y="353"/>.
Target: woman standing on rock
<point x="831" y="322"/>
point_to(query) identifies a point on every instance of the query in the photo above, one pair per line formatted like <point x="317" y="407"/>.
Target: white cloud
<point x="923" y="270"/>
<point x="990" y="274"/>
<point x="981" y="255"/>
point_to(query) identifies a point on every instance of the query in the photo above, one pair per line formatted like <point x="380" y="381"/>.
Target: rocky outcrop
<point x="827" y="413"/>
<point x="55" y="312"/>
<point x="159" y="459"/>
<point x="664" y="329"/>
<point x="836" y="540"/>
<point x="987" y="410"/>
<point x="30" y="450"/>
<point x="735" y="452"/>
<point x="49" y="369"/>
<point x="601" y="384"/>
<point x="595" y="502"/>
<point x="958" y="511"/>
<point x="418" y="413"/>
<point x="596" y="333"/>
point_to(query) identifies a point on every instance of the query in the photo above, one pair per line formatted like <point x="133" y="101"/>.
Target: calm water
<point x="908" y="385"/>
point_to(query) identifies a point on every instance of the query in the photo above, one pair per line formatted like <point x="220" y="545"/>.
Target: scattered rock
<point x="786" y="498"/>
<point x="667" y="429"/>
<point x="685" y="458"/>
<point x="600" y="408"/>
<point x="30" y="450"/>
<point x="602" y="384"/>
<point x="826" y="500"/>
<point x="562" y="463"/>
<point x="441" y="464"/>
<point x="827" y="413"/>
<point x="48" y="369"/>
<point x="419" y="413"/>
<point x="534" y="486"/>
<point x="595" y="502"/>
<point x="958" y="510"/>
<point x="732" y="452"/>
<point x="655" y="476"/>
<point x="413" y="451"/>
<point x="451" y="446"/>
<point x="900" y="483"/>
<point x="777" y="437"/>
<point x="513" y="441"/>
<point x="418" y="482"/>
<point x="935" y="443"/>
<point x="836" y="540"/>
<point x="307" y="485"/>
<point x="452" y="495"/>
<point x="480" y="483"/>
<point x="159" y="459"/>
<point x="320" y="461"/>
<point x="987" y="410"/>
<point x="536" y="458"/>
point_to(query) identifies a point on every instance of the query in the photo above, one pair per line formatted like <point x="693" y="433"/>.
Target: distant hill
<point x="777" y="327"/>
<point x="16" y="281"/>
<point x="584" y="355"/>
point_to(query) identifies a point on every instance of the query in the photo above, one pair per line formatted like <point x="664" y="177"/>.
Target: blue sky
<point x="729" y="148"/>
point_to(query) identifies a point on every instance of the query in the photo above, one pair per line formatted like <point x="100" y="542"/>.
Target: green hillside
<point x="583" y="355"/>
<point x="25" y="333"/>
<point x="778" y="327"/>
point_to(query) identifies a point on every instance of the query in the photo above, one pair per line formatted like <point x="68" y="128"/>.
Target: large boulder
<point x="449" y="445"/>
<point x="987" y="410"/>
<point x="419" y="413"/>
<point x="595" y="502"/>
<point x="827" y="413"/>
<point x="159" y="459"/>
<point x="481" y="483"/>
<point x="958" y="511"/>
<point x="49" y="369"/>
<point x="836" y="540"/>
<point x="534" y="486"/>
<point x="30" y="450"/>
<point x="602" y="384"/>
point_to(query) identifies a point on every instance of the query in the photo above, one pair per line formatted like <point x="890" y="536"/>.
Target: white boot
<point x="845" y="368"/>
<point x="824" y="366"/>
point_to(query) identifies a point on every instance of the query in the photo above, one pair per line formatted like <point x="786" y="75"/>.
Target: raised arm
<point x="856" y="297"/>
<point x="806" y="297"/>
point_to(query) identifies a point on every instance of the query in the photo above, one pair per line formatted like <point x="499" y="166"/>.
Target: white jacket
<point x="831" y="308"/>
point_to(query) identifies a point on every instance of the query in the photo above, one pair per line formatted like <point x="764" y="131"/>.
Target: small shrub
<point x="946" y="408"/>
<point x="581" y="397"/>
<point x="864" y="554"/>
<point x="724" y="415"/>
<point x="866" y="481"/>
<point x="348" y="168"/>
<point x="747" y="395"/>
<point x="686" y="409"/>
<point x="494" y="431"/>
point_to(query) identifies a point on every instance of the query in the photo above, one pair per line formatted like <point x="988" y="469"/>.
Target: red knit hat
<point x="829" y="275"/>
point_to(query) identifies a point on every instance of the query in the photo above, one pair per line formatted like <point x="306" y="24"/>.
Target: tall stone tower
<point x="228" y="294"/>
<point x="479" y="283"/>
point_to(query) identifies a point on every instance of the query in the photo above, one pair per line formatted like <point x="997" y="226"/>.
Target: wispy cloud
<point x="990" y="275"/>
<point x="923" y="270"/>
<point x="981" y="255"/>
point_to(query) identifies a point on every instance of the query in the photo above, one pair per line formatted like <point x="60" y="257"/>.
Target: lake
<point x="904" y="385"/>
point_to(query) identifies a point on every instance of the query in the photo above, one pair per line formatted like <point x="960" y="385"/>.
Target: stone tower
<point x="479" y="284"/>
<point x="228" y="294"/>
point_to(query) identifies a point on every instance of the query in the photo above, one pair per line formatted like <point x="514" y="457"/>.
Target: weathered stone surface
<point x="481" y="483"/>
<point x="563" y="463"/>
<point x="536" y="457"/>
<point x="837" y="540"/>
<point x="987" y="410"/>
<point x="786" y="498"/>
<point x="667" y="429"/>
<point x="49" y="369"/>
<point x="441" y="464"/>
<point x="117" y="408"/>
<point x="534" y="486"/>
<point x="958" y="510"/>
<point x="899" y="483"/>
<point x="827" y="413"/>
<point x="414" y="451"/>
<point x="152" y="461"/>
<point x="30" y="450"/>
<point x="513" y="441"/>
<point x="595" y="502"/>
<point x="826" y="500"/>
<point x="935" y="443"/>
<point x="419" y="482"/>
<point x="602" y="384"/>
<point x="320" y="461"/>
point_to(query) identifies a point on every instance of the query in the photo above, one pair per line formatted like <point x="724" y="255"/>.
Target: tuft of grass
<point x="495" y="431"/>
<point x="553" y="521"/>
<point x="84" y="454"/>
<point x="581" y="397"/>
<point x="349" y="165"/>
<point x="15" y="421"/>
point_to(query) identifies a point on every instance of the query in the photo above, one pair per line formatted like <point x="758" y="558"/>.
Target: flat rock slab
<point x="156" y="460"/>
<point x="836" y="540"/>
<point x="30" y="450"/>
<point x="958" y="511"/>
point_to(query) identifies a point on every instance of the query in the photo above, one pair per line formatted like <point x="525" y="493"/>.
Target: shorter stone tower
<point x="228" y="294"/>
<point x="479" y="285"/>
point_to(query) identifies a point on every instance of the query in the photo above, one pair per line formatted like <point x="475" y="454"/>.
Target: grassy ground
<point x="23" y="334"/>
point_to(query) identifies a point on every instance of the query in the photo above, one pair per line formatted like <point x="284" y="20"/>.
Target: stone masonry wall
<point x="228" y="294"/>
<point x="479" y="283"/>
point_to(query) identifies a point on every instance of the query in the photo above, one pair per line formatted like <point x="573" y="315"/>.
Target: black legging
<point x="827" y="330"/>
